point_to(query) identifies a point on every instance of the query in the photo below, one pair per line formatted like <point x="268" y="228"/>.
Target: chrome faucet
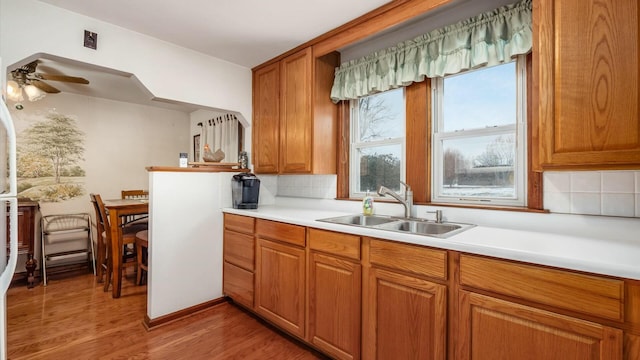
<point x="407" y="201"/>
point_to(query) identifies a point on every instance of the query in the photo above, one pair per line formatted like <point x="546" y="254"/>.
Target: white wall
<point x="121" y="140"/>
<point x="29" y="27"/>
<point x="186" y="236"/>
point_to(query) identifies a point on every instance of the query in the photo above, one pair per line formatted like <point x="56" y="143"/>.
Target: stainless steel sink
<point x="410" y="226"/>
<point x="422" y="227"/>
<point x="361" y="220"/>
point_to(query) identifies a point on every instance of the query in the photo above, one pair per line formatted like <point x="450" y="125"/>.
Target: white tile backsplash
<point x="557" y="202"/>
<point x="618" y="204"/>
<point x="307" y="186"/>
<point x="618" y="182"/>
<point x="585" y="203"/>
<point x="557" y="182"/>
<point x="586" y="181"/>
<point x="609" y="193"/>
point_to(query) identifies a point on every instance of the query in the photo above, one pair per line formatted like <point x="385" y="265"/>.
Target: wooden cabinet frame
<point x="450" y="289"/>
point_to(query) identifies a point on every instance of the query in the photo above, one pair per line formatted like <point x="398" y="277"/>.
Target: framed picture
<point x="196" y="148"/>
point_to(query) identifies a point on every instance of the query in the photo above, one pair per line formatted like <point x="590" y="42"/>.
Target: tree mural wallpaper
<point x="49" y="152"/>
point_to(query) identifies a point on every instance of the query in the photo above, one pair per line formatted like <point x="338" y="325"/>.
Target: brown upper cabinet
<point x="586" y="85"/>
<point x="295" y="122"/>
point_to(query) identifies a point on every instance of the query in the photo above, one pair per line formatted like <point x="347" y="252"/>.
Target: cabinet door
<point x="495" y="329"/>
<point x="295" y="118"/>
<point x="280" y="285"/>
<point x="404" y="317"/>
<point x="334" y="305"/>
<point x="266" y="119"/>
<point x="586" y="83"/>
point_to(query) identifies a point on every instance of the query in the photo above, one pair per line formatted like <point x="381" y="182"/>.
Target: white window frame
<point x="520" y="166"/>
<point x="355" y="145"/>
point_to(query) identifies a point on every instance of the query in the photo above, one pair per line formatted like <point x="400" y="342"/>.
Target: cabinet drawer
<point x="274" y="230"/>
<point x="409" y="258"/>
<point x="238" y="284"/>
<point x="243" y="224"/>
<point x="335" y="243"/>
<point x="239" y="249"/>
<point x="586" y="294"/>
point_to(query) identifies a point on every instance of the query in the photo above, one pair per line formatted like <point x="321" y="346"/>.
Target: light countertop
<point x="605" y="257"/>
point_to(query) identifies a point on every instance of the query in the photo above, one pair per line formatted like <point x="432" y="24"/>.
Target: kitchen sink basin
<point x="423" y="227"/>
<point x="361" y="220"/>
<point x="410" y="226"/>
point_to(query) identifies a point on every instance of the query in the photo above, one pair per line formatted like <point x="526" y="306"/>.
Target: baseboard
<point x="151" y="324"/>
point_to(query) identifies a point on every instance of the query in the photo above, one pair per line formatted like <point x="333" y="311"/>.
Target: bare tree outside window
<point x="375" y="118"/>
<point x="500" y="152"/>
<point x="377" y="144"/>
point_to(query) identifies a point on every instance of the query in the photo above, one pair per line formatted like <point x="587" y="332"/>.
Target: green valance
<point x="490" y="38"/>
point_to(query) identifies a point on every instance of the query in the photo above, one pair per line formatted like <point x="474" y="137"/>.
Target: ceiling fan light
<point x="14" y="92"/>
<point x="33" y="93"/>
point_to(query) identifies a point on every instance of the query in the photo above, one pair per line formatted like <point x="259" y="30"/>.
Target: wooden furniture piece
<point x="280" y="275"/>
<point x="404" y="308"/>
<point x="239" y="259"/>
<point x="419" y="302"/>
<point x="295" y="121"/>
<point x="334" y="293"/>
<point x="136" y="195"/>
<point x="586" y="83"/>
<point x="65" y="237"/>
<point x="521" y="302"/>
<point x="27" y="211"/>
<point x="116" y="236"/>
<point x="142" y="247"/>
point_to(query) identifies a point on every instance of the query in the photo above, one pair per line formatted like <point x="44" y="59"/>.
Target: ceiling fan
<point x="26" y="77"/>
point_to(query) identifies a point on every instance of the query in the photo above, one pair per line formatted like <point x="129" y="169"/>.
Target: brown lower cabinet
<point x="352" y="297"/>
<point x="281" y="276"/>
<point x="491" y="328"/>
<point x="334" y="287"/>
<point x="404" y="317"/>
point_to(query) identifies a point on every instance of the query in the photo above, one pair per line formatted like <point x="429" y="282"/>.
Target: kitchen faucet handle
<point x="438" y="215"/>
<point x="405" y="185"/>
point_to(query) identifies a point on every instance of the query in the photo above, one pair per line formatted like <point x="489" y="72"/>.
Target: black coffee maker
<point x="245" y="189"/>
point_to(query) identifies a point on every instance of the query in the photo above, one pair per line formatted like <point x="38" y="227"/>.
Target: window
<point x="478" y="143"/>
<point x="377" y="142"/>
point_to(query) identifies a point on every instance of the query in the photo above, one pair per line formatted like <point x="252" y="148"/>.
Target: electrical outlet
<point x="90" y="39"/>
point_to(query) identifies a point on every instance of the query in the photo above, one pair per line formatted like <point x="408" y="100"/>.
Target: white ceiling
<point x="244" y="32"/>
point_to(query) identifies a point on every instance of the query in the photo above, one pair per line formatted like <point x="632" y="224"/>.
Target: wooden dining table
<point x="119" y="208"/>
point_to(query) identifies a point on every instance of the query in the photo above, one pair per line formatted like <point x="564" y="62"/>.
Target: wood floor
<point x="73" y="318"/>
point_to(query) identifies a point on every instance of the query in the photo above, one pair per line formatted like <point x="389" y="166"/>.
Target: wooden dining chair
<point x="135" y="195"/>
<point x="142" y="252"/>
<point x="104" y="242"/>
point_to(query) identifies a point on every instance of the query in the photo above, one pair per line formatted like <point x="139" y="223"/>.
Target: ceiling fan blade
<point x="44" y="86"/>
<point x="72" y="79"/>
<point x="29" y="68"/>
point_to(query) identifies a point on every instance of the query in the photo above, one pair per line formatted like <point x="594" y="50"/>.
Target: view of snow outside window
<point x="378" y="141"/>
<point x="477" y="134"/>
